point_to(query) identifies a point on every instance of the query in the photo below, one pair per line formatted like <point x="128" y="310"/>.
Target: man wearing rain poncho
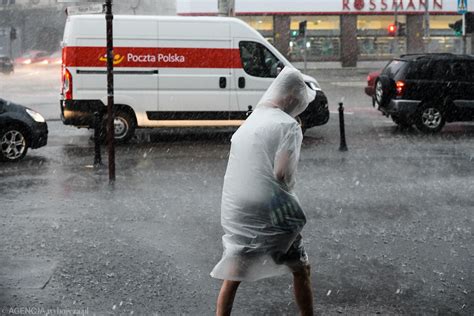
<point x="261" y="216"/>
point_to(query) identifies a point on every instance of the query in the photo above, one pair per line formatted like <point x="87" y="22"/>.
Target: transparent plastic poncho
<point x="260" y="214"/>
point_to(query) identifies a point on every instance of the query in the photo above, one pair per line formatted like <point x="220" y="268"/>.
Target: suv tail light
<point x="67" y="84"/>
<point x="400" y="88"/>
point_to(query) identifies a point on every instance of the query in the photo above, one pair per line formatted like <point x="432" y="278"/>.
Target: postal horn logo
<point x="117" y="58"/>
<point x="359" y="4"/>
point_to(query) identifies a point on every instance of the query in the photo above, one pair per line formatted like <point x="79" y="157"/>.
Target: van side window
<point x="257" y="60"/>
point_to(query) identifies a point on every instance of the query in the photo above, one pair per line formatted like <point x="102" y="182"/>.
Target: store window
<point x="322" y="38"/>
<point x="373" y="38"/>
<point x="442" y="38"/>
<point x="263" y="24"/>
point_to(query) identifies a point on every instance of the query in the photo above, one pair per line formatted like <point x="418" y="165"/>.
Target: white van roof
<point x="186" y="27"/>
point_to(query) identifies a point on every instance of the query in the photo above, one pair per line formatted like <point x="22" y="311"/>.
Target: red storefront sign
<point x="391" y="5"/>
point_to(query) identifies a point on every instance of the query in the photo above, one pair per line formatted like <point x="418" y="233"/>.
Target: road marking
<point x="358" y="84"/>
<point x="337" y="112"/>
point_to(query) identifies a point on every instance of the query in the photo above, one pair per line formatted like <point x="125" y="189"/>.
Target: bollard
<point x="343" y="145"/>
<point x="249" y="111"/>
<point x="97" y="137"/>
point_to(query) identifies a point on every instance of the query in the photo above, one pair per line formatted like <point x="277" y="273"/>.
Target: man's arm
<point x="282" y="161"/>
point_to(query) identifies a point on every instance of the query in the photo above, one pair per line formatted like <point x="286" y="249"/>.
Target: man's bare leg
<point x="226" y="297"/>
<point x="303" y="290"/>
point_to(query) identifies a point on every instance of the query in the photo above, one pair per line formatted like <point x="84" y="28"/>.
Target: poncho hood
<point x="288" y="92"/>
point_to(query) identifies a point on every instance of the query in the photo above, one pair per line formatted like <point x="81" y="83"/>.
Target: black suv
<point x="427" y="90"/>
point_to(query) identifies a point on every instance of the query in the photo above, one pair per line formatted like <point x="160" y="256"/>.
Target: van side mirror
<point x="277" y="68"/>
<point x="280" y="67"/>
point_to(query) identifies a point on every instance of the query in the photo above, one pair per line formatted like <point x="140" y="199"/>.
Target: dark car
<point x="6" y="65"/>
<point x="20" y="128"/>
<point x="427" y="90"/>
<point x="317" y="112"/>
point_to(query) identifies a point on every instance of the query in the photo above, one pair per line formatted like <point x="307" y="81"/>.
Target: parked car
<point x="427" y="90"/>
<point x="6" y="65"/>
<point x="33" y="57"/>
<point x="370" y="88"/>
<point x="20" y="128"/>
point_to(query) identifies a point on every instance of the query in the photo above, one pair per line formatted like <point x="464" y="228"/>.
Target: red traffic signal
<point x="392" y="30"/>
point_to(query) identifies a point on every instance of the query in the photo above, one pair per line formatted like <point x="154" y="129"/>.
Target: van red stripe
<point x="145" y="57"/>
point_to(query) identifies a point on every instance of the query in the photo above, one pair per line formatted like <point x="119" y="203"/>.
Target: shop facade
<point x="346" y="30"/>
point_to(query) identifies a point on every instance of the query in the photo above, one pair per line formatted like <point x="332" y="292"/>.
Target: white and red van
<point x="171" y="71"/>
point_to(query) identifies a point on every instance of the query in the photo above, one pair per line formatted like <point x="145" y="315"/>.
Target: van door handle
<point x="222" y="82"/>
<point x="241" y="82"/>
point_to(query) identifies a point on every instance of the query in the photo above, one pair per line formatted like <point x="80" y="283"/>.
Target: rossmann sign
<point x="256" y="7"/>
<point x="392" y="5"/>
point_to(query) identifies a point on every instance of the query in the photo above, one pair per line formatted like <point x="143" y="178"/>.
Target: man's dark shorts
<point x="295" y="258"/>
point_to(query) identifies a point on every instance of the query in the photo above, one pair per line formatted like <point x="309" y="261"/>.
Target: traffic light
<point x="392" y="30"/>
<point x="397" y="29"/>
<point x="457" y="27"/>
<point x="13" y="34"/>
<point x="302" y="29"/>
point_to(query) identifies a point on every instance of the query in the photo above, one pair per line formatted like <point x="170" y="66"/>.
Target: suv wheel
<point x="382" y="91"/>
<point x="430" y="118"/>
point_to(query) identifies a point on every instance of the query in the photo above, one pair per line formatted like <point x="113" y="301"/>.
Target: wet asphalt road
<point x="389" y="222"/>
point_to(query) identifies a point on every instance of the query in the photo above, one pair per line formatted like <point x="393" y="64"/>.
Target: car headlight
<point x="35" y="116"/>
<point x="313" y="86"/>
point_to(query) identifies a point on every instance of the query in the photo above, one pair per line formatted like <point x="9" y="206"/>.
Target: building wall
<point x="145" y="7"/>
<point x="345" y="30"/>
<point x="349" y="47"/>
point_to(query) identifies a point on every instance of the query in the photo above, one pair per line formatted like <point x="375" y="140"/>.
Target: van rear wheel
<point x="124" y="126"/>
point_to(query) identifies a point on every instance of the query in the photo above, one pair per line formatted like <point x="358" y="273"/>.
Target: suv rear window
<point x="393" y="68"/>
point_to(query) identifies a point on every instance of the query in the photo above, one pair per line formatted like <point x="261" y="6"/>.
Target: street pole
<point x="305" y="52"/>
<point x="427" y="27"/>
<point x="226" y="7"/>
<point x="464" y="43"/>
<point x="395" y="38"/>
<point x="110" y="91"/>
<point x="11" y="44"/>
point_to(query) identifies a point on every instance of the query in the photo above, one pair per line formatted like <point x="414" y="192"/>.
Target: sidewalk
<point x="335" y="67"/>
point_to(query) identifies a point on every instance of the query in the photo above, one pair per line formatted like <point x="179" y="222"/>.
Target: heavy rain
<point x="369" y="186"/>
